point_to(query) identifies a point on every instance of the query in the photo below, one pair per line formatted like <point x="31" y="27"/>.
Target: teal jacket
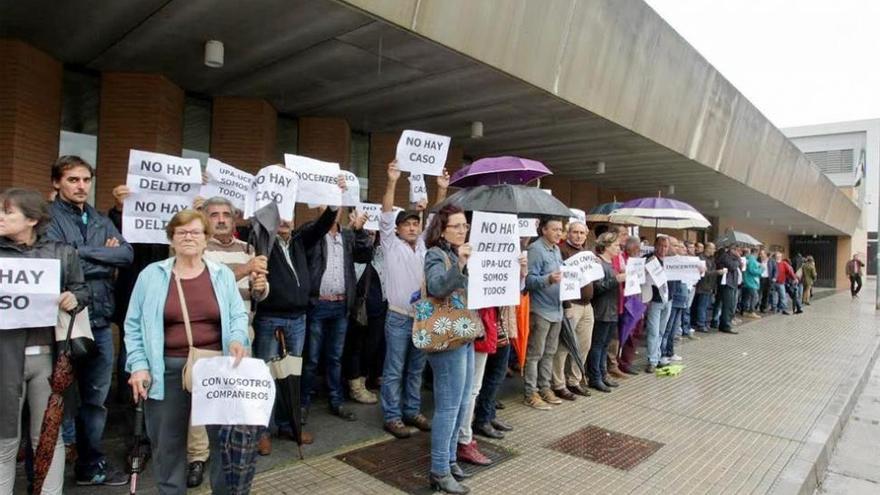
<point x="752" y="274"/>
<point x="145" y="320"/>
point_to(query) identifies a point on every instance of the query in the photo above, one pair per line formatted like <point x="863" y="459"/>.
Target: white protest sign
<point x="227" y="182"/>
<point x="29" y="289"/>
<point x="418" y="191"/>
<point x="493" y="268"/>
<point x="682" y="268"/>
<point x="164" y="168"/>
<point x="352" y="194"/>
<point x="645" y="250"/>
<point x="374" y="211"/>
<point x="635" y="276"/>
<point x="578" y="216"/>
<point x="657" y="277"/>
<point x="527" y="227"/>
<point x="318" y="181"/>
<point x="570" y="286"/>
<point x="227" y="395"/>
<point x="589" y="266"/>
<point x="273" y="183"/>
<point x="161" y="185"/>
<point x="422" y="153"/>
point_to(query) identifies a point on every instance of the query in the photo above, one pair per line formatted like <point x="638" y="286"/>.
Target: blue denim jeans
<point x="656" y="319"/>
<point x="402" y="371"/>
<point x="667" y="342"/>
<point x="751" y="300"/>
<point x="597" y="358"/>
<point x="328" y="322"/>
<point x="266" y="347"/>
<point x="453" y="379"/>
<point x="94" y="385"/>
<point x="781" y="298"/>
<point x="702" y="302"/>
<point x="493" y="377"/>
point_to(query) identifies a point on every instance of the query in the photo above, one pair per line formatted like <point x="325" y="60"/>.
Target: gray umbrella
<point x="508" y="198"/>
<point x="568" y="338"/>
<point x="735" y="237"/>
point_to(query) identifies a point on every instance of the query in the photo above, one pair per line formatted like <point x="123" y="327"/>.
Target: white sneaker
<point x="664" y="361"/>
<point x="676" y="358"/>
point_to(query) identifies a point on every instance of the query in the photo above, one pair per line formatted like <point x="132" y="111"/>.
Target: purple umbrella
<point x="499" y="170"/>
<point x="663" y="213"/>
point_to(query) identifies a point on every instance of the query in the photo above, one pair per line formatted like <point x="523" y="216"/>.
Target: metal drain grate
<point x="606" y="447"/>
<point x="404" y="464"/>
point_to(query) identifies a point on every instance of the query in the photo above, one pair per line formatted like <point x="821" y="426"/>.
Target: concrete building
<point x="570" y="83"/>
<point x="848" y="153"/>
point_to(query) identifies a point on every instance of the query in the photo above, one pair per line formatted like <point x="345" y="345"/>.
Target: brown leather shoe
<point x="549" y="397"/>
<point x="264" y="445"/>
<point x="307" y="438"/>
<point x="397" y="428"/>
<point x="564" y="394"/>
<point x="419" y="421"/>
<point x="578" y="390"/>
<point x="617" y="374"/>
<point x="536" y="402"/>
<point x="471" y="454"/>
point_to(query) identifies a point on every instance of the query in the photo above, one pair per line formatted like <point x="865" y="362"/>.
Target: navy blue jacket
<point x="98" y="262"/>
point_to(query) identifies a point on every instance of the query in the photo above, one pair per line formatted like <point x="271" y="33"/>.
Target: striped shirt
<point x="233" y="255"/>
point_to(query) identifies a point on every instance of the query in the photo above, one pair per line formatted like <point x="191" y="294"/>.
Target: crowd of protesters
<point x="342" y="298"/>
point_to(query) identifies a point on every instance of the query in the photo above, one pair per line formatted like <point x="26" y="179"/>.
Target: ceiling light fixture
<point x="476" y="129"/>
<point x="600" y="168"/>
<point x="772" y="221"/>
<point x="214" y="54"/>
<point x="748" y="213"/>
<point x="670" y="190"/>
<point x="715" y="204"/>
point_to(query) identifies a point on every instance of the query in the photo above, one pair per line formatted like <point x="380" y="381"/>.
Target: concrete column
<point x="138" y="111"/>
<point x="243" y="132"/>
<point x="30" y="115"/>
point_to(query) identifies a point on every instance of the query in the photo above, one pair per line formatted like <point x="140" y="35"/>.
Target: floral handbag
<point x="443" y="324"/>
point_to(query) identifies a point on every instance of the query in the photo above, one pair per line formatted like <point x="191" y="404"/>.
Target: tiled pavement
<point x="750" y="413"/>
<point x="744" y="416"/>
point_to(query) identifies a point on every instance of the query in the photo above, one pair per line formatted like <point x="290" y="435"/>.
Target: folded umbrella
<point x="568" y="338"/>
<point x="521" y="342"/>
<point x="62" y="377"/>
<point x="633" y="311"/>
<point x="499" y="170"/>
<point x="506" y="198"/>
<point x="287" y="372"/>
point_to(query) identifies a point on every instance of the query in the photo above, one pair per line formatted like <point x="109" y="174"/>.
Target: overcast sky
<point x="799" y="61"/>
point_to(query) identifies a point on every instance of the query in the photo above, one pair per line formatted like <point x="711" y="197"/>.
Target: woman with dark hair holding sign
<point x="453" y="369"/>
<point x="177" y="304"/>
<point x="26" y="354"/>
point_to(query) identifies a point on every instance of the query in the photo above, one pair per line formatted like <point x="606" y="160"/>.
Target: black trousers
<point x="855" y="284"/>
<point x="364" y="352"/>
<point x="765" y="294"/>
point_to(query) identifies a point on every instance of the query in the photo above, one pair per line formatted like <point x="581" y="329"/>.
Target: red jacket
<point x="489" y="343"/>
<point x="784" y="272"/>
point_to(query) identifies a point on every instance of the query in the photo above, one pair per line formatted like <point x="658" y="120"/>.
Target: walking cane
<point x="136" y="465"/>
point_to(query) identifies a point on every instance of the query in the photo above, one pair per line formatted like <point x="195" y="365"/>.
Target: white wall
<point x="854" y="135"/>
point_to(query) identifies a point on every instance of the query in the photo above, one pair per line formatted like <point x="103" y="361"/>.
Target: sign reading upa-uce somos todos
<point x="493" y="267"/>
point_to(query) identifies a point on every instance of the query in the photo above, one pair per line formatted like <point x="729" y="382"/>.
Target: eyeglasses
<point x="459" y="226"/>
<point x="189" y="233"/>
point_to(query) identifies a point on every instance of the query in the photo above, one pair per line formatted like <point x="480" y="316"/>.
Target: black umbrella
<point x="568" y="338"/>
<point x="508" y="198"/>
<point x="136" y="459"/>
<point x="287" y="372"/>
<point x="735" y="237"/>
<point x="264" y="225"/>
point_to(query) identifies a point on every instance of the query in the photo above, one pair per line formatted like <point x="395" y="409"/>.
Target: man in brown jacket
<point x="567" y="377"/>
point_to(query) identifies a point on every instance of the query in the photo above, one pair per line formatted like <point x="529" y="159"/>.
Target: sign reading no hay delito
<point x="422" y="152"/>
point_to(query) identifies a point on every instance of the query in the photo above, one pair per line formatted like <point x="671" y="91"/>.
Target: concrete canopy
<point x="566" y="82"/>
